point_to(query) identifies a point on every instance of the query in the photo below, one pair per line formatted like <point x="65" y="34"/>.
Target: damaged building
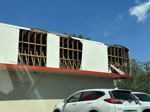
<point x="41" y="68"/>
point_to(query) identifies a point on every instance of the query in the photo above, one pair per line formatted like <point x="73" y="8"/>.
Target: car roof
<point x="139" y="93"/>
<point x="105" y="90"/>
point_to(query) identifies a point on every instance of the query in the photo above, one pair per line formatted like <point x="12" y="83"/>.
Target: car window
<point x="91" y="95"/>
<point x="74" y="98"/>
<point x="86" y="96"/>
<point x="99" y="94"/>
<point x="125" y="95"/>
<point x="143" y="97"/>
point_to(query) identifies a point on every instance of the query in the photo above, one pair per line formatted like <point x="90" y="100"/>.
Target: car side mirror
<point x="65" y="101"/>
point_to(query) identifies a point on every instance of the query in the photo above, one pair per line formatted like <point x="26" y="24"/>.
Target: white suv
<point x="144" y="100"/>
<point x="100" y="100"/>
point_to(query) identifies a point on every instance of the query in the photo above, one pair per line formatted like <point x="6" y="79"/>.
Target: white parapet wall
<point x="53" y="49"/>
<point x="94" y="56"/>
<point x="9" y="39"/>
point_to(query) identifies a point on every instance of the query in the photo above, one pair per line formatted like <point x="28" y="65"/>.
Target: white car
<point x="144" y="100"/>
<point x="100" y="100"/>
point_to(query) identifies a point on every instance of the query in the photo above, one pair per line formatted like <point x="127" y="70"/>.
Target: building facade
<point x="39" y="68"/>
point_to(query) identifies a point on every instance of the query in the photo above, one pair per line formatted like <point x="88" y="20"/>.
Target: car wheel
<point x="56" y="110"/>
<point x="147" y="110"/>
<point x="93" y="111"/>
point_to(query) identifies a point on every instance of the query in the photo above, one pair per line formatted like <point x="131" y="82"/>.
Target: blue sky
<point x="124" y="22"/>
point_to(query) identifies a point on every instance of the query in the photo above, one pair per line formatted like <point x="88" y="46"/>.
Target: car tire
<point x="147" y="110"/>
<point x="93" y="111"/>
<point x="56" y="110"/>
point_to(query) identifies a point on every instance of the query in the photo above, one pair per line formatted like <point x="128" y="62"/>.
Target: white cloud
<point x="140" y="11"/>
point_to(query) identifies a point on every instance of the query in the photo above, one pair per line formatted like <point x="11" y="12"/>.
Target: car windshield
<point x="143" y="97"/>
<point x="125" y="95"/>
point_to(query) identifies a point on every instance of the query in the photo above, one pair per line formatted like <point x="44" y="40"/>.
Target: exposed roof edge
<point x="60" y="70"/>
<point x="13" y="26"/>
<point x="117" y="45"/>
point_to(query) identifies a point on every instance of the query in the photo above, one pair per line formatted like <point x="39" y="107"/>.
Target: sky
<point x="123" y="22"/>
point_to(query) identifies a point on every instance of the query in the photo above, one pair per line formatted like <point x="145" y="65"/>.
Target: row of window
<point x="33" y="49"/>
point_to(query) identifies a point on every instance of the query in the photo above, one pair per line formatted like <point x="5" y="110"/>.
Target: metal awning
<point x="36" y="69"/>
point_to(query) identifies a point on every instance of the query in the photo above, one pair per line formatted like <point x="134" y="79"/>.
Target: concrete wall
<point x="40" y="91"/>
<point x="28" y="105"/>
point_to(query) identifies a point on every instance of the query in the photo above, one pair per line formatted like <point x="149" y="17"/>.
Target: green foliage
<point x="73" y="35"/>
<point x="79" y="36"/>
<point x="88" y="38"/>
<point x="65" y="33"/>
<point x="140" y="80"/>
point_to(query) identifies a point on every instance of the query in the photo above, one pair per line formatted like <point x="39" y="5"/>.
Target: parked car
<point x="144" y="100"/>
<point x="100" y="100"/>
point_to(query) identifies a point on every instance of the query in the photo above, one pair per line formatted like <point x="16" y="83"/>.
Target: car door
<point x="88" y="101"/>
<point x="72" y="103"/>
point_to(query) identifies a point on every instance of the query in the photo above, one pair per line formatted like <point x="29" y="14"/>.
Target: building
<point x="39" y="68"/>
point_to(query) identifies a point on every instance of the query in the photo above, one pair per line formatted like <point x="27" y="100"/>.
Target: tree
<point x="88" y="38"/>
<point x="140" y="80"/>
<point x="73" y="35"/>
<point x="65" y="33"/>
<point x="80" y="36"/>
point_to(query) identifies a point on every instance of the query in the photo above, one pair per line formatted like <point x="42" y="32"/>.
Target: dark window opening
<point x="32" y="48"/>
<point x="70" y="53"/>
<point x="118" y="56"/>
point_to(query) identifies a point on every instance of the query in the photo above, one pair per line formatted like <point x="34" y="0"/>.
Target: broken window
<point x="32" y="48"/>
<point x="70" y="53"/>
<point x="118" y="57"/>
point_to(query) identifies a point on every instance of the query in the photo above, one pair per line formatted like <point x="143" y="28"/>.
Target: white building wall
<point x="9" y="39"/>
<point x="60" y="86"/>
<point x="53" y="49"/>
<point x="94" y="56"/>
<point x="49" y="89"/>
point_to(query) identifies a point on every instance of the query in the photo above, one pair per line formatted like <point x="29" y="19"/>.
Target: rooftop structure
<point x="36" y="47"/>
